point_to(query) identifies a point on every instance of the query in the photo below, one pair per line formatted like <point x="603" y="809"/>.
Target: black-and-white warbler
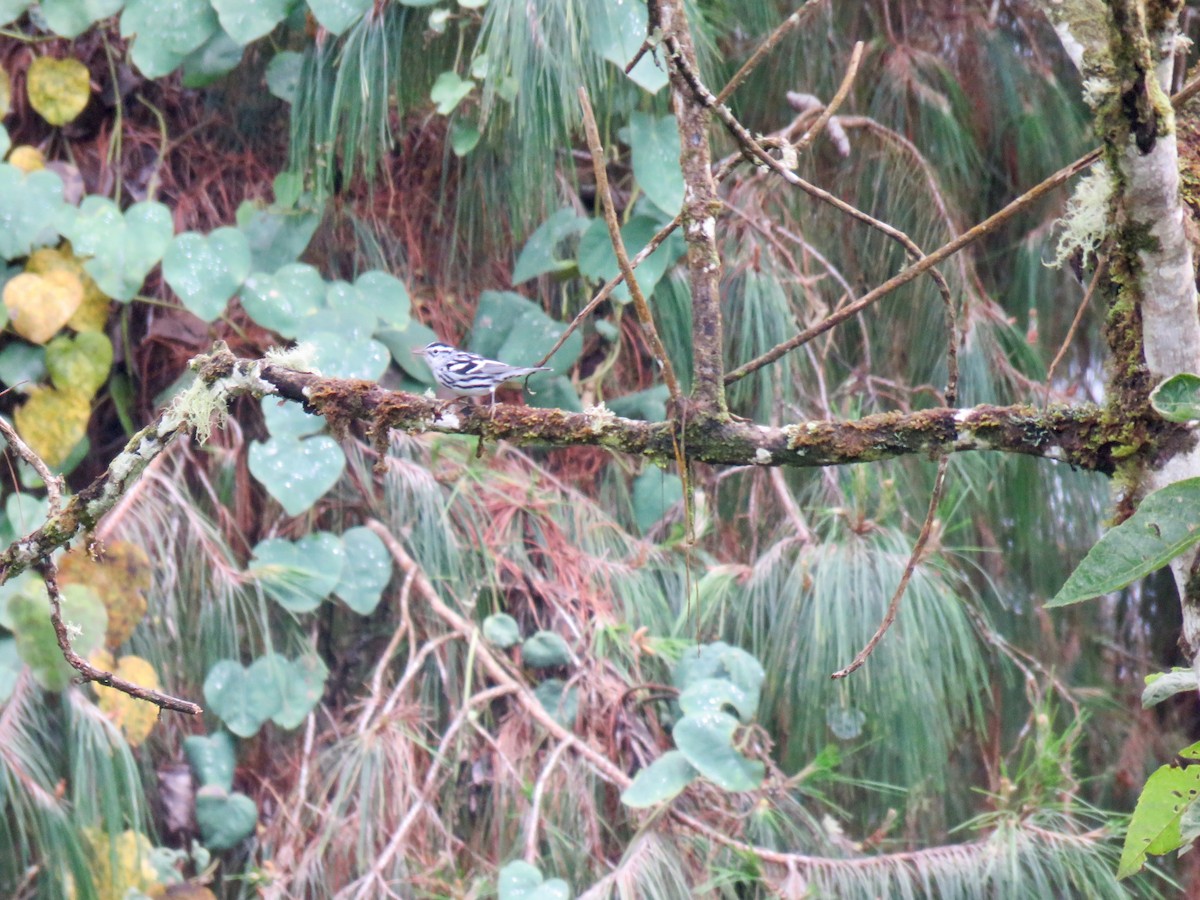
<point x="469" y="374"/>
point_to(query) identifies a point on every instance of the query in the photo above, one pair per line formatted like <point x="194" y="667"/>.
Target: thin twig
<point x="87" y="672"/>
<point x="782" y="30"/>
<point x="833" y="105"/>
<point x="54" y="484"/>
<point x="1101" y="268"/>
<point x="606" y="291"/>
<point x="535" y="802"/>
<point x="987" y="226"/>
<point x="743" y="136"/>
<point x="918" y="550"/>
<point x="645" y="316"/>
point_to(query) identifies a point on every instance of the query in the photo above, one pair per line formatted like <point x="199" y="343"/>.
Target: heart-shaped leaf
<point x="53" y="422"/>
<point x="92" y="314"/>
<point x="246" y="20"/>
<point x="401" y="344"/>
<point x="520" y="880"/>
<point x="211" y="758"/>
<point x="176" y="26"/>
<point x="297" y="473"/>
<point x="277" y="236"/>
<point x="560" y="701"/>
<point x="282" y="301"/>
<point x="368" y="570"/>
<point x="340" y="357"/>
<point x="36" y="641"/>
<point x="135" y="718"/>
<point x="707" y="742"/>
<point x="655" y="144"/>
<point x="662" y="780"/>
<point x="206" y="271"/>
<point x="71" y="18"/>
<point x="289" y="420"/>
<point x="386" y="296"/>
<point x="243" y="699"/>
<point x="224" y="819"/>
<point x="58" y="88"/>
<point x="30" y="206"/>
<point x="39" y="305"/>
<point x="283" y="74"/>
<point x="217" y="56"/>
<point x="502" y="630"/>
<point x="545" y="650"/>
<point x="538" y="255"/>
<point x="123" y="247"/>
<point x="338" y="15"/>
<point x="449" y="90"/>
<point x="302" y="686"/>
<point x="616" y="31"/>
<point x="79" y="363"/>
<point x="598" y="261"/>
<point x="299" y="575"/>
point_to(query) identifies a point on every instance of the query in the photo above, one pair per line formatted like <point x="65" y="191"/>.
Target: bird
<point x="469" y="374"/>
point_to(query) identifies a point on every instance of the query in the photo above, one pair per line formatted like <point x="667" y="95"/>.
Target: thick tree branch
<point x="700" y="209"/>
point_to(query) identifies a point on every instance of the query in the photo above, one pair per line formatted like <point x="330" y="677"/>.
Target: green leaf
<point x="299" y="575"/>
<point x="22" y="514"/>
<point x="338" y="15"/>
<point x="11" y="10"/>
<point x="289" y="420"/>
<point x="662" y="780"/>
<point x="71" y="18"/>
<point x="538" y="257"/>
<point x="617" y="31"/>
<point x="649" y="405"/>
<point x="79" y="363"/>
<point x="30" y="208"/>
<point x="283" y="74"/>
<point x="282" y="301"/>
<point x="846" y="722"/>
<point x="367" y="572"/>
<point x="1178" y="398"/>
<point x="212" y="758"/>
<point x="22" y="365"/>
<point x="5" y="146"/>
<point x="224" y="819"/>
<point x="545" y="650"/>
<point x="722" y="660"/>
<point x="707" y="742"/>
<point x="288" y="188"/>
<point x="654" y="493"/>
<point x="123" y="247"/>
<point x="206" y="271"/>
<point x="301" y="684"/>
<point x="598" y="262"/>
<point x="464" y="136"/>
<point x="339" y="357"/>
<point x="514" y="329"/>
<point x="277" y="236"/>
<point x="243" y="699"/>
<point x="82" y="610"/>
<point x="165" y="33"/>
<point x="297" y="473"/>
<point x="1155" y="826"/>
<point x="714" y="695"/>
<point x="1163" y="685"/>
<point x="655" y="145"/>
<point x="560" y="701"/>
<point x="1164" y="526"/>
<point x="246" y="20"/>
<point x="402" y="343"/>
<point x="216" y="57"/>
<point x="552" y="393"/>
<point x="449" y="90"/>
<point x="10" y="667"/>
<point x="386" y="296"/>
<point x="521" y="881"/>
<point x="502" y="630"/>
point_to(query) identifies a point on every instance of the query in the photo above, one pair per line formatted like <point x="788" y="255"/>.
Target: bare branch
<point x="645" y="317"/>
<point x="87" y="671"/>
<point x="782" y="30"/>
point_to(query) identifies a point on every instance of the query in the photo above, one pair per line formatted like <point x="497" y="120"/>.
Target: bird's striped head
<point x="434" y="350"/>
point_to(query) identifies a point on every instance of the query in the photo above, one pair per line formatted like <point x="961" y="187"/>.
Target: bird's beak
<point x="420" y="351"/>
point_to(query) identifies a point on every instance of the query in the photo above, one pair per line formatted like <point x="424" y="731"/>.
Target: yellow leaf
<point x="58" y="88"/>
<point x="121" y="864"/>
<point x="92" y="314"/>
<point x="120" y="576"/>
<point x="5" y="94"/>
<point x="26" y="158"/>
<point x="52" y="422"/>
<point x="40" y="305"/>
<point x="134" y="717"/>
